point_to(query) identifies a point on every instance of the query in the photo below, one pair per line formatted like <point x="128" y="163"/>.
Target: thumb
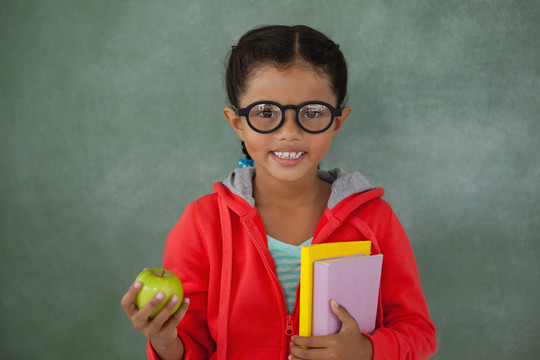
<point x="347" y="320"/>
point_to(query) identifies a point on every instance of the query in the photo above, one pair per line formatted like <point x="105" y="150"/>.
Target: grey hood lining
<point x="240" y="182"/>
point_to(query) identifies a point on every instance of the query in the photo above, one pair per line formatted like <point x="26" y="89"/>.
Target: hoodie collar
<point x="240" y="182"/>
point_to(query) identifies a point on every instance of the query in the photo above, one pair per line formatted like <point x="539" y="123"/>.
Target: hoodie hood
<point x="240" y="182"/>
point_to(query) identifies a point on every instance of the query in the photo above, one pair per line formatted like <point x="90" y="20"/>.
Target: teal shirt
<point x="287" y="260"/>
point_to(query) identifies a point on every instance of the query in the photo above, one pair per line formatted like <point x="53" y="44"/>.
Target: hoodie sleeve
<point x="406" y="331"/>
<point x="186" y="256"/>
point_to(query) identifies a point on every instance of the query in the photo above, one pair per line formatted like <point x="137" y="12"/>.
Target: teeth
<point x="288" y="155"/>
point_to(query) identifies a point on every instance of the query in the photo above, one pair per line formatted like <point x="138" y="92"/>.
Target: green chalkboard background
<point x="111" y="123"/>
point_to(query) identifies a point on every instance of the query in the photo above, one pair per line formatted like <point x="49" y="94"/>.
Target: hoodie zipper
<point x="289" y="318"/>
<point x="289" y="327"/>
<point x="289" y="330"/>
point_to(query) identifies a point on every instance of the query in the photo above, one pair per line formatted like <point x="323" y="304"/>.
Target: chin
<point x="293" y="174"/>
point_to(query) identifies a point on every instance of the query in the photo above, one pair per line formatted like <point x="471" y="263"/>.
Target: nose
<point x="290" y="130"/>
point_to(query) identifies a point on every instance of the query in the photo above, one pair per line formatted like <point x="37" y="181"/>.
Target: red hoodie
<point x="238" y="311"/>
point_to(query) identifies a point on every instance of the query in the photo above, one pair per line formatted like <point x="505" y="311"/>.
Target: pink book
<point x="353" y="281"/>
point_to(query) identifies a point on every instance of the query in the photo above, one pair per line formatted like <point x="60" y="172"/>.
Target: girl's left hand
<point x="348" y="343"/>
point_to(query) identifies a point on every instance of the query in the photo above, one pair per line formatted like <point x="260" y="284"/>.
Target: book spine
<point x="306" y="288"/>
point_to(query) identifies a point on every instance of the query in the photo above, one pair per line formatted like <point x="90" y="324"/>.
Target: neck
<point x="307" y="191"/>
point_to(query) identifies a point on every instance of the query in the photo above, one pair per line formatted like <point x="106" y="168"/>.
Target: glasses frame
<point x="245" y="112"/>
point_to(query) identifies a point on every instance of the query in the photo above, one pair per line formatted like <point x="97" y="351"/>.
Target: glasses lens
<point x="315" y="117"/>
<point x="265" y="117"/>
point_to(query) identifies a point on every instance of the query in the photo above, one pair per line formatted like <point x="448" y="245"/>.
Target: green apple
<point x="155" y="280"/>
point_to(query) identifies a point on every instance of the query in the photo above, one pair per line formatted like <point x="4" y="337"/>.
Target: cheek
<point x="322" y="142"/>
<point x="255" y="141"/>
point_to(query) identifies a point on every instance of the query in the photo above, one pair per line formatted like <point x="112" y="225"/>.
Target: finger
<point x="141" y="318"/>
<point x="164" y="322"/>
<point x="179" y="315"/>
<point x="313" y="342"/>
<point x="165" y="313"/>
<point x="299" y="352"/>
<point x="128" y="299"/>
<point x="183" y="308"/>
<point x="347" y="320"/>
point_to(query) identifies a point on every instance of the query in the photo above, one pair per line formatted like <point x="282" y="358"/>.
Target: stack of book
<point x="345" y="272"/>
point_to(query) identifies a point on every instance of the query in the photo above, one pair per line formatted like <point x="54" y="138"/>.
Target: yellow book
<point x="308" y="255"/>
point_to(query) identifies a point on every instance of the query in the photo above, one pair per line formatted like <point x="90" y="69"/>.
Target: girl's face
<point x="293" y="86"/>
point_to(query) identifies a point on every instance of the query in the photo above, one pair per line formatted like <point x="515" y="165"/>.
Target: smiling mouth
<point x="288" y="155"/>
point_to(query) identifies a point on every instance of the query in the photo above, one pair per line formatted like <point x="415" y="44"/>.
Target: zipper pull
<point x="289" y="330"/>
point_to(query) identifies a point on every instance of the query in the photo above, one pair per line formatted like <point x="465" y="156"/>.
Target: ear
<point x="340" y="120"/>
<point x="235" y="121"/>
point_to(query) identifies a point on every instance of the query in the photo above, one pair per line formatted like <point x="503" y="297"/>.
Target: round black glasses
<point x="266" y="116"/>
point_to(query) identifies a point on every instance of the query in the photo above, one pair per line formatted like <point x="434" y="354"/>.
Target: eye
<point x="313" y="111"/>
<point x="311" y="114"/>
<point x="265" y="111"/>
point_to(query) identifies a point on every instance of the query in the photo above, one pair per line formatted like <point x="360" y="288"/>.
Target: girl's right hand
<point x="161" y="330"/>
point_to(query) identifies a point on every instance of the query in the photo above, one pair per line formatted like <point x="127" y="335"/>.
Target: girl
<point x="237" y="250"/>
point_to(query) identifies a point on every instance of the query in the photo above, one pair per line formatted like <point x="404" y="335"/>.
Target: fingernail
<point x="137" y="284"/>
<point x="174" y="298"/>
<point x="186" y="300"/>
<point x="160" y="295"/>
<point x="335" y="303"/>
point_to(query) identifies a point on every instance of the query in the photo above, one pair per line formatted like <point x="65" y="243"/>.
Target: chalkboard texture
<point x="111" y="123"/>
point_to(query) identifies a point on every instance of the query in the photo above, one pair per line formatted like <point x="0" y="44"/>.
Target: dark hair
<point x="284" y="46"/>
